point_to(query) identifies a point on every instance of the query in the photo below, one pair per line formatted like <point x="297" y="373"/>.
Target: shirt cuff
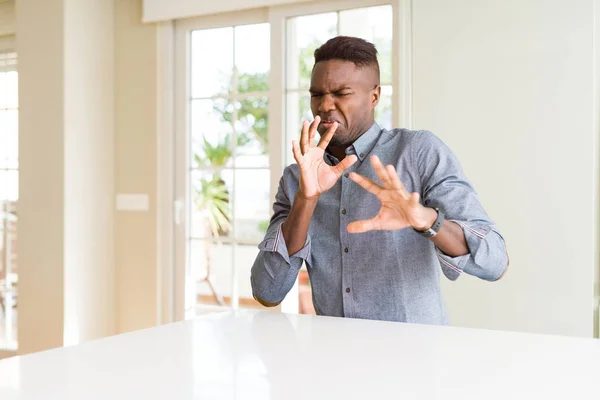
<point x="452" y="267"/>
<point x="277" y="245"/>
<point x="474" y="235"/>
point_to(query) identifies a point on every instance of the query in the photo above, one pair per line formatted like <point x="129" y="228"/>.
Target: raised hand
<point x="399" y="208"/>
<point x="316" y="176"/>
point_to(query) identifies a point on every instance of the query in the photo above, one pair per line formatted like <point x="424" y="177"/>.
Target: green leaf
<point x="212" y="197"/>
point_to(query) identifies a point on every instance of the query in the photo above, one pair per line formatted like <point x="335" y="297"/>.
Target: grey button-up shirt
<point x="383" y="275"/>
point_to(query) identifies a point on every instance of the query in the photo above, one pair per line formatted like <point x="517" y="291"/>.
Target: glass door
<point x="224" y="164"/>
<point x="242" y="84"/>
<point x="9" y="192"/>
<point x="303" y="34"/>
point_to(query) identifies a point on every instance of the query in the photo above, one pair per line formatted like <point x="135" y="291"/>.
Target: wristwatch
<point x="435" y="228"/>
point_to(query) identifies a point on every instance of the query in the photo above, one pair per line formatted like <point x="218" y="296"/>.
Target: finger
<point x="380" y="171"/>
<point x="304" y="136"/>
<point x="363" y="226"/>
<point x="396" y="182"/>
<point x="415" y="198"/>
<point x="313" y="132"/>
<point x="344" y="165"/>
<point x="326" y="138"/>
<point x="297" y="152"/>
<point x="366" y="183"/>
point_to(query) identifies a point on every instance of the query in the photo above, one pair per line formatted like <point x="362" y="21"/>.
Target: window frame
<point x="8" y="45"/>
<point x="401" y="46"/>
<point x="183" y="29"/>
<point x="276" y="16"/>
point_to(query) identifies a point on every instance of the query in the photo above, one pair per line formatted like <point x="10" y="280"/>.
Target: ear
<point x="375" y="95"/>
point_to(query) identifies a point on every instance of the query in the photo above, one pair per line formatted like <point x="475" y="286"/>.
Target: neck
<point x="338" y="152"/>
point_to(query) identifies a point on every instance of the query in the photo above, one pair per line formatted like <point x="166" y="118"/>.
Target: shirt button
<point x="346" y="250"/>
<point x="346" y="175"/>
<point x="347" y="290"/>
<point x="344" y="211"/>
<point x="362" y="155"/>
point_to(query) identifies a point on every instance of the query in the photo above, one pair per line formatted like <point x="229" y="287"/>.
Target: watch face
<point x="428" y="233"/>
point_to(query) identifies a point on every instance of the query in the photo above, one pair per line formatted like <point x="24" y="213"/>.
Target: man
<point x="373" y="250"/>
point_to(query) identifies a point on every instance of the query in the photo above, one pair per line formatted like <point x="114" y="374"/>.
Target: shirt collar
<point x="365" y="143"/>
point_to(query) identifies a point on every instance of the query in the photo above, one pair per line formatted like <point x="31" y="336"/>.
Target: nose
<point x="327" y="104"/>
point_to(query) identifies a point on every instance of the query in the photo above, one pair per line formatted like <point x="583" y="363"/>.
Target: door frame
<point x="174" y="122"/>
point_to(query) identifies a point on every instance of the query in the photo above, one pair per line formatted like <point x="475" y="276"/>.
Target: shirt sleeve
<point x="445" y="185"/>
<point x="274" y="271"/>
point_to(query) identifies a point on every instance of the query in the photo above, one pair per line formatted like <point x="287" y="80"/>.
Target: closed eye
<point x="337" y="94"/>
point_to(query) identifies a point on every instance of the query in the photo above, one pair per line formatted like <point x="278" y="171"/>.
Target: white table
<point x="268" y="355"/>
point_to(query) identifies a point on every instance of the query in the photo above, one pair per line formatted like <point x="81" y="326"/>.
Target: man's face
<point x="342" y="92"/>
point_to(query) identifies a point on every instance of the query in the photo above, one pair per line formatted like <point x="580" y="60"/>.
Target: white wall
<point x="41" y="149"/>
<point x="509" y="85"/>
<point x="88" y="126"/>
<point x="86" y="92"/>
<point x="65" y="246"/>
<point x="89" y="164"/>
<point x="136" y="124"/>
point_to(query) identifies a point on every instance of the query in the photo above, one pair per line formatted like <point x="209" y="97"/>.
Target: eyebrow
<point x="313" y="90"/>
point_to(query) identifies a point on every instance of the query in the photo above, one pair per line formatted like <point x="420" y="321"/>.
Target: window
<point x="9" y="190"/>
<point x="304" y="33"/>
<point x="241" y="94"/>
<point x="307" y="32"/>
<point x="228" y="164"/>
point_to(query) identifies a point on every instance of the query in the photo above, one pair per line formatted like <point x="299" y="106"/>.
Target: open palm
<point x="316" y="176"/>
<point x="399" y="208"/>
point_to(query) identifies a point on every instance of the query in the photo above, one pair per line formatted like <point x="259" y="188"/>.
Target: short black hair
<point x="349" y="48"/>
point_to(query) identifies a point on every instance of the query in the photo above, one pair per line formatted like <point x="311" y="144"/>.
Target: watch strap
<point x="435" y="228"/>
